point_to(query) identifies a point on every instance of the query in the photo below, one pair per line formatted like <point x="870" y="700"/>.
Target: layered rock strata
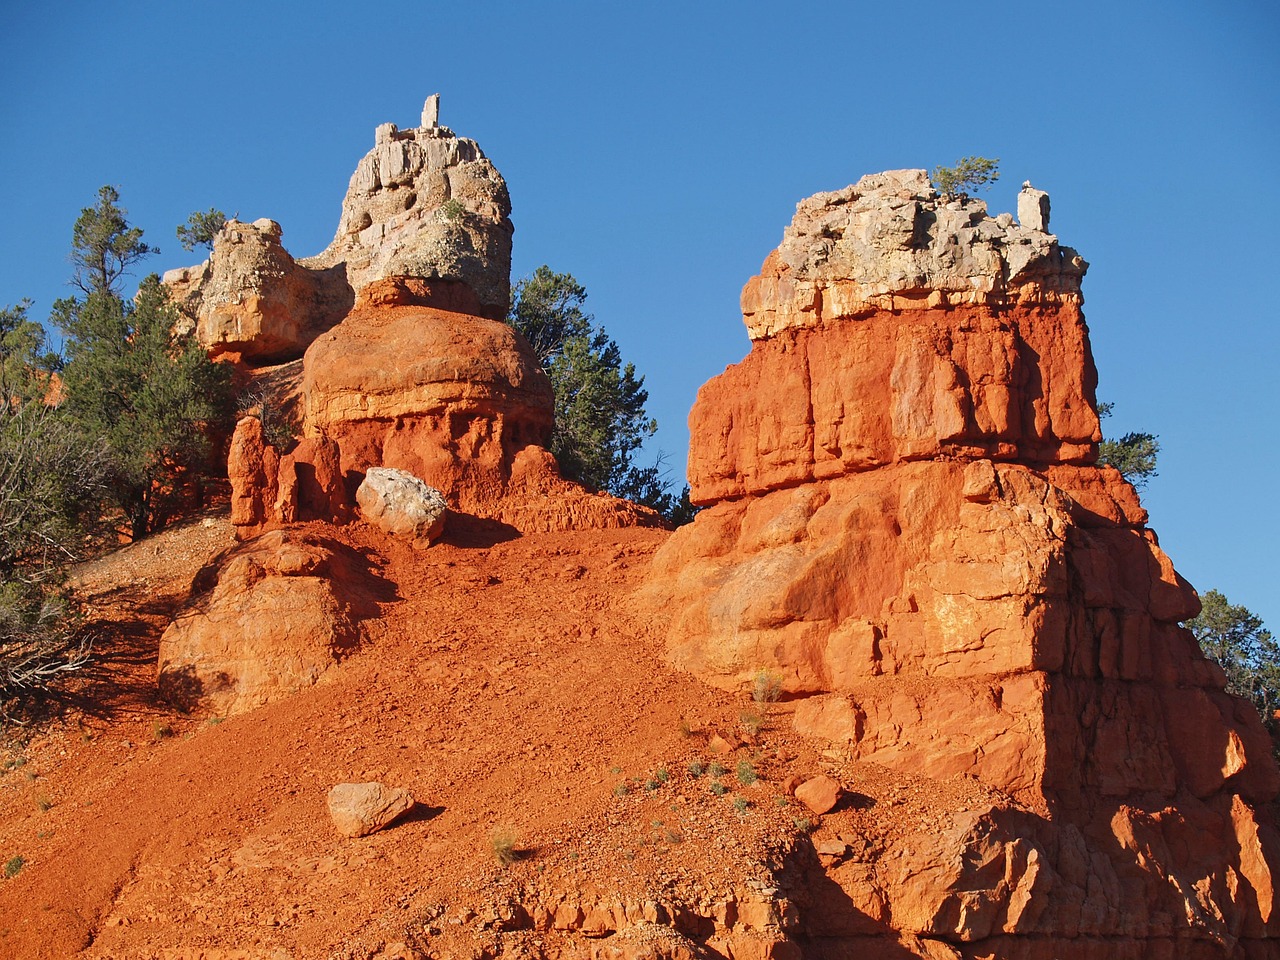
<point x="904" y="519"/>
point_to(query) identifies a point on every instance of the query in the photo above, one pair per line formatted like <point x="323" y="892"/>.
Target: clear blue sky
<point x="657" y="150"/>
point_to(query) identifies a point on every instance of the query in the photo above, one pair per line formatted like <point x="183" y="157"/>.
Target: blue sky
<point x="657" y="151"/>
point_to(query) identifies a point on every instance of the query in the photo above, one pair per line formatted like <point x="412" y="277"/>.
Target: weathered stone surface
<point x="890" y="242"/>
<point x="400" y="504"/>
<point x="359" y="809"/>
<point x="903" y="520"/>
<point x="820" y="794"/>
<point x="279" y="612"/>
<point x="252" y="299"/>
<point x="425" y="203"/>
<point x="454" y="399"/>
<point x="850" y="396"/>
<point x="269" y="490"/>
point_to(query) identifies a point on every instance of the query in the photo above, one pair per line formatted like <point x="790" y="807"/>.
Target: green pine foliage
<point x="967" y="175"/>
<point x="1247" y="652"/>
<point x="152" y="397"/>
<point x="201" y="229"/>
<point x="600" y="417"/>
<point x="1134" y="454"/>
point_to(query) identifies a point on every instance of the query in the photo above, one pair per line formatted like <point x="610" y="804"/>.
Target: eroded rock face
<point x="426" y="203"/>
<point x="905" y="522"/>
<point x="454" y="399"/>
<point x="279" y="613"/>
<point x="251" y="298"/>
<point x="422" y="204"/>
<point x="890" y="242"/>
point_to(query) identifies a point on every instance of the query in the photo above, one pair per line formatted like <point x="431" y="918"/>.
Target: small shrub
<point x="13" y="866"/>
<point x="746" y="773"/>
<point x="615" y="770"/>
<point x="672" y="836"/>
<point x="44" y="804"/>
<point x="803" y="824"/>
<point x="696" y="768"/>
<point x="452" y="209"/>
<point x="652" y="784"/>
<point x="752" y="721"/>
<point x="719" y="789"/>
<point x="968" y="174"/>
<point x="766" y="687"/>
<point x="161" y="731"/>
<point x="717" y="769"/>
<point x="686" y="731"/>
<point x="621" y="790"/>
<point x="741" y="804"/>
<point x="663" y="775"/>
<point x="502" y="843"/>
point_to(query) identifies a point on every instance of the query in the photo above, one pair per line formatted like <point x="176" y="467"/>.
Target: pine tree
<point x="152" y="397"/>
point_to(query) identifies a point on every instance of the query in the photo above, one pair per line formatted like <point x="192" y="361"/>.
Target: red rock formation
<point x="904" y="521"/>
<point x="281" y="612"/>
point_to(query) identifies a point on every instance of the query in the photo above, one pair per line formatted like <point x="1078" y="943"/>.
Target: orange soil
<point x="507" y="685"/>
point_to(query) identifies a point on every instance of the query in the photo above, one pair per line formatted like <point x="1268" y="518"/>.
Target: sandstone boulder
<point x="400" y="504"/>
<point x="359" y="809"/>
<point x="268" y="620"/>
<point x="820" y="794"/>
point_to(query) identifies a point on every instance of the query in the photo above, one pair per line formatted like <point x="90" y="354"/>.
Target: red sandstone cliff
<point x="904" y="521"/>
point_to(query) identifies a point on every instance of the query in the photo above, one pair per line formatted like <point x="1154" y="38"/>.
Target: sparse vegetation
<point x="747" y="773"/>
<point x="201" y="229"/>
<point x="663" y="775"/>
<point x="161" y="731"/>
<point x="452" y="209"/>
<point x="44" y="804"/>
<point x="12" y="867"/>
<point x="696" y="768"/>
<point x="968" y="174"/>
<point x="719" y="789"/>
<point x="752" y="721"/>
<point x="502" y="844"/>
<point x="1249" y="655"/>
<point x="621" y="790"/>
<point x="717" y="769"/>
<point x="741" y="804"/>
<point x="1134" y="454"/>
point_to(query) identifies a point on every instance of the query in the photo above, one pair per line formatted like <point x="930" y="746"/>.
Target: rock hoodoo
<point x="904" y="519"/>
<point x="405" y="362"/>
<point x="422" y="203"/>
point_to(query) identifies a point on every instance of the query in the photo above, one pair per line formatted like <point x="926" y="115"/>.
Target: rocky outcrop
<point x="890" y="242"/>
<point x="904" y="520"/>
<point x="423" y="204"/>
<point x="426" y="203"/>
<point x="266" y="621"/>
<point x="252" y="299"/>
<point x="270" y="489"/>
